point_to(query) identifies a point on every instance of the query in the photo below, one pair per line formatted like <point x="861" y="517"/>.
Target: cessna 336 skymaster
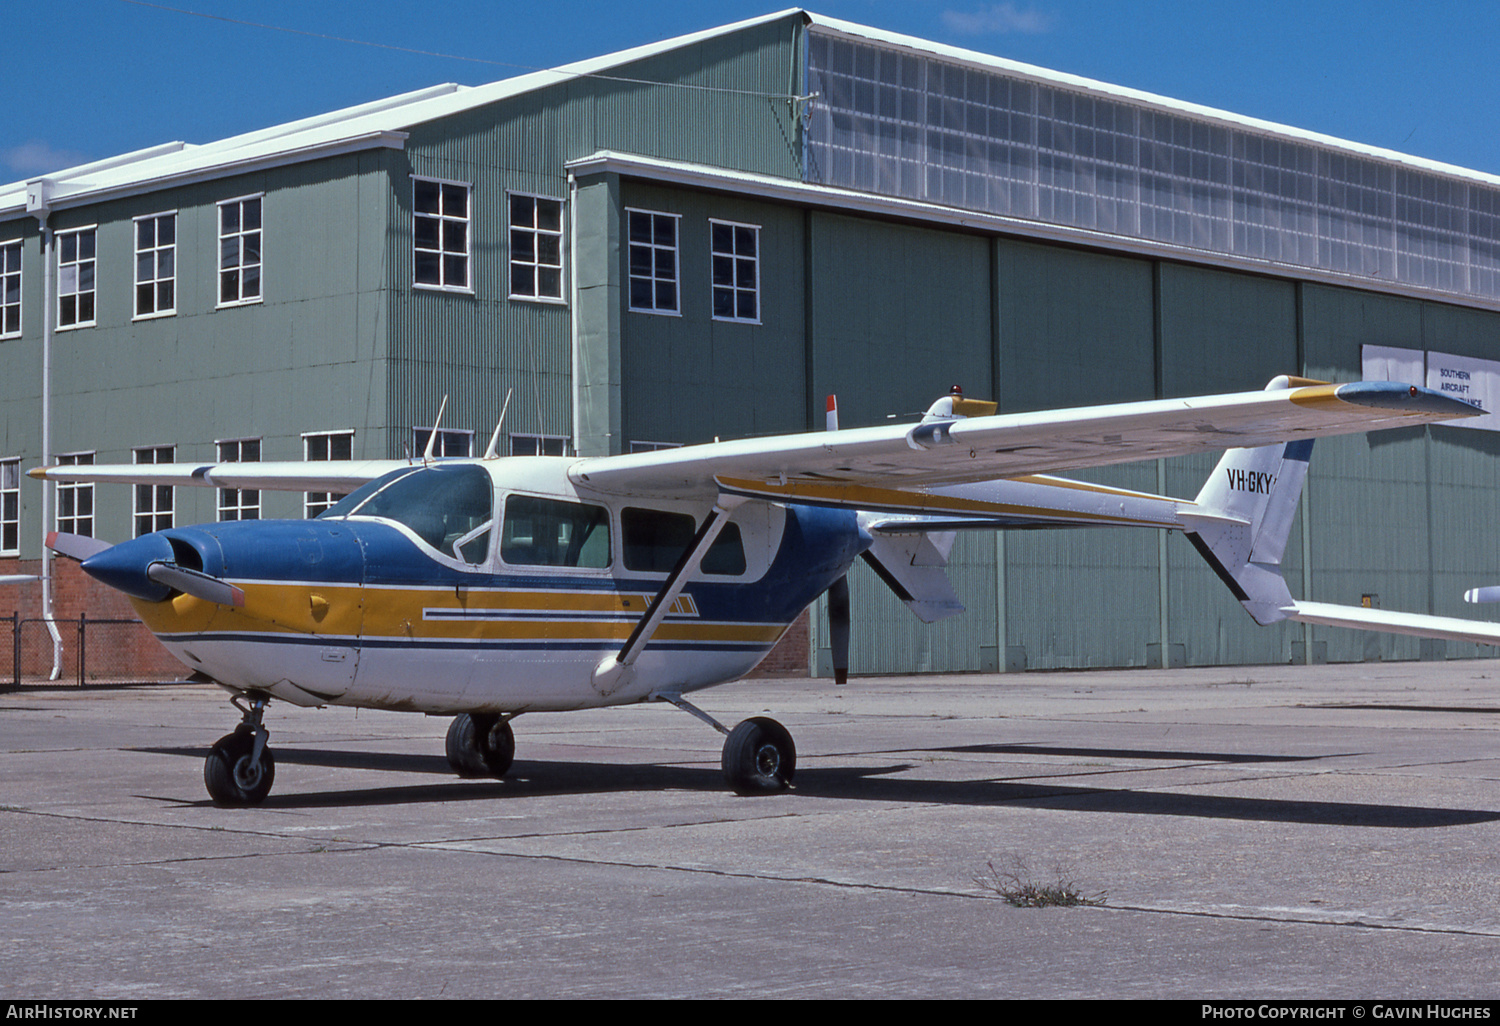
<point x="487" y="588"/>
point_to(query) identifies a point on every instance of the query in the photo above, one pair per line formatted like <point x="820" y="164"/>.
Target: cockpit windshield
<point x="450" y="508"/>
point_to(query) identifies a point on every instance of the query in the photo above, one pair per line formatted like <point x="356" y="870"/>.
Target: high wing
<point x="315" y="476"/>
<point x="902" y="468"/>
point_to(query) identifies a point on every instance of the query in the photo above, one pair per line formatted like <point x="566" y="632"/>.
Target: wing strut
<point x="614" y="670"/>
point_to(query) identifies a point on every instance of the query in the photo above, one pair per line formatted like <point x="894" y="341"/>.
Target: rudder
<point x="1242" y="518"/>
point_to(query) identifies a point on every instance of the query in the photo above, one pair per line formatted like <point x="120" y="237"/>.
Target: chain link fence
<point x="93" y="652"/>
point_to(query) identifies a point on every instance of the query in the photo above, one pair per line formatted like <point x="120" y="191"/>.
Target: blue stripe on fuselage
<point x="817" y="547"/>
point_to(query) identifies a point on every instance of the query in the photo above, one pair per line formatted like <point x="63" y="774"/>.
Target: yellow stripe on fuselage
<point x="345" y="611"/>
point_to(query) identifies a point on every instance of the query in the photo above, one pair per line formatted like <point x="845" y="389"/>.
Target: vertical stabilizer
<point x="1241" y="519"/>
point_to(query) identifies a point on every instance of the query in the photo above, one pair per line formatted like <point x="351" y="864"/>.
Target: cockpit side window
<point x="554" y="532"/>
<point x="654" y="539"/>
<point x="449" y="508"/>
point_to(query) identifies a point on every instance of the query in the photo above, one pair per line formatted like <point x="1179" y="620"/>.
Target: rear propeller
<point x="838" y="628"/>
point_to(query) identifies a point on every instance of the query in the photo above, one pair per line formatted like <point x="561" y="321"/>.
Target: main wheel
<point x="480" y="745"/>
<point x="759" y="757"/>
<point x="230" y="774"/>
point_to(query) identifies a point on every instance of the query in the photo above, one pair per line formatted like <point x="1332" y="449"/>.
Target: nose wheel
<point x="240" y="769"/>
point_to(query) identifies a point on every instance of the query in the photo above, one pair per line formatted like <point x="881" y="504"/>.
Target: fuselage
<point x="506" y="607"/>
<point x="499" y="586"/>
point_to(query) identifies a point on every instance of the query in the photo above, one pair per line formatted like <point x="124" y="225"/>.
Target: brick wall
<point x="791" y="656"/>
<point x="112" y="651"/>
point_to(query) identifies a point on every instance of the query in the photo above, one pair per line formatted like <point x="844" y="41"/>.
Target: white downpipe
<point x="39" y="204"/>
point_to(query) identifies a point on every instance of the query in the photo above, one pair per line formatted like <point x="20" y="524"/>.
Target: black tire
<point x="480" y="745"/>
<point x="230" y="776"/>
<point x="759" y="757"/>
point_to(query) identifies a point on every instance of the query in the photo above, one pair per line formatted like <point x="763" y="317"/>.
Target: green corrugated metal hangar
<point x="707" y="236"/>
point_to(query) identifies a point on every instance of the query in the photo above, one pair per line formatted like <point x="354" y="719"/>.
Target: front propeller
<point x="147" y="568"/>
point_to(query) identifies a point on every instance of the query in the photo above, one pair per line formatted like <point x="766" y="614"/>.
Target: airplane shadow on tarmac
<point x="866" y="783"/>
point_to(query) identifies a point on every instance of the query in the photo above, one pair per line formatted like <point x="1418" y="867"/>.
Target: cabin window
<point x="654" y="540"/>
<point x="449" y="508"/>
<point x="554" y="532"/>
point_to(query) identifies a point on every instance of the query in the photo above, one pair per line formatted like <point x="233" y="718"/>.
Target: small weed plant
<point x="1018" y="888"/>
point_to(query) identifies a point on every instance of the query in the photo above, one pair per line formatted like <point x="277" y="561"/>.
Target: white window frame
<point x="11" y="253"/>
<point x="653" y="249"/>
<point x="155" y="254"/>
<point x="155" y="505"/>
<point x="451" y="441"/>
<point x="240" y="235"/>
<point x="733" y="286"/>
<point x="317" y="502"/>
<point x="71" y="494"/>
<point x="444" y="221"/>
<point x="238" y="503"/>
<point x="10" y="506"/>
<point x="71" y="275"/>
<point x="536" y="268"/>
<point x="536" y="445"/>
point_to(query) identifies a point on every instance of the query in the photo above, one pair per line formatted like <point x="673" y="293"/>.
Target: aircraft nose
<point x="124" y="566"/>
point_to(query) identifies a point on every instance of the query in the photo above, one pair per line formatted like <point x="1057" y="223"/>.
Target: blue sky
<point x="86" y="79"/>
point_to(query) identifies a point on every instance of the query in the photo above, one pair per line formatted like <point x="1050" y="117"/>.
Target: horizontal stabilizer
<point x="1418" y="625"/>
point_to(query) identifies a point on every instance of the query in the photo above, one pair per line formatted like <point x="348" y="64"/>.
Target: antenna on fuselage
<point x="489" y="452"/>
<point x="432" y="438"/>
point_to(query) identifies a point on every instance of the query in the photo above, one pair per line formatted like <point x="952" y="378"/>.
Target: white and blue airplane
<point x="487" y="588"/>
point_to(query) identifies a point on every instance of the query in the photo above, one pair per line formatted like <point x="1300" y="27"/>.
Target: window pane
<point x="550" y="532"/>
<point x="425" y="197"/>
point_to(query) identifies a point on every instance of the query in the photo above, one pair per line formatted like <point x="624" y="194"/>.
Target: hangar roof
<point x="382" y="123"/>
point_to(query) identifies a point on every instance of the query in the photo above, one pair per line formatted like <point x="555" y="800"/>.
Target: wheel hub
<point x="768" y="759"/>
<point x="247" y="773"/>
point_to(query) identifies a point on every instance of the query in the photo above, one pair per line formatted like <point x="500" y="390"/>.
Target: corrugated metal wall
<point x="1402" y="516"/>
<point x="475" y="348"/>
<point x="306" y="357"/>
